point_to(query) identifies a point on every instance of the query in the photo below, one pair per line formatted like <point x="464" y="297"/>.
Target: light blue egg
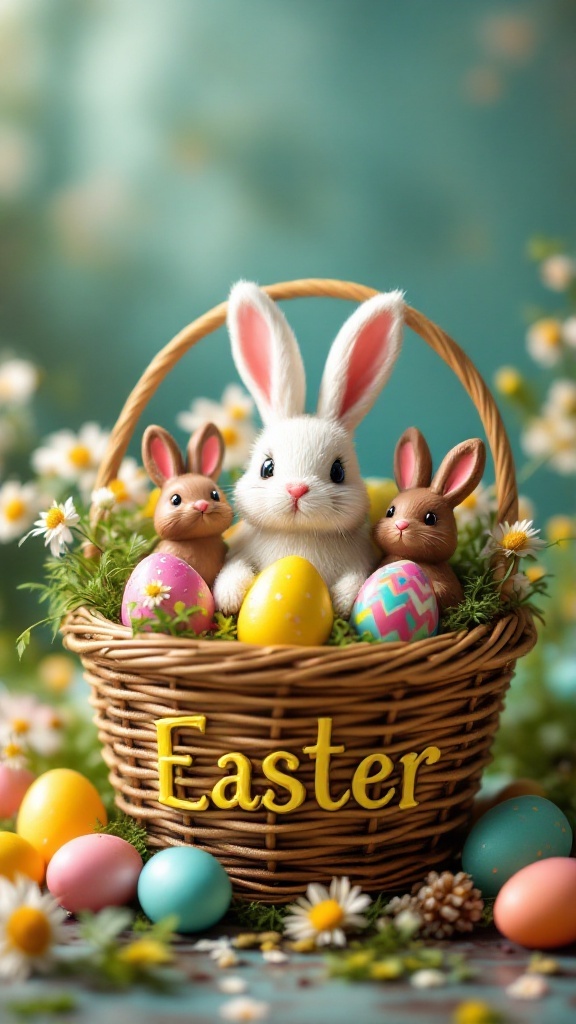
<point x="188" y="883"/>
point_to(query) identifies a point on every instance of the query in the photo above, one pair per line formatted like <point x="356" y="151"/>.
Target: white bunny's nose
<point x="297" y="490"/>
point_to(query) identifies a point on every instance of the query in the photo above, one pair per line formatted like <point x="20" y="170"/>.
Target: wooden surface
<point x="299" y="991"/>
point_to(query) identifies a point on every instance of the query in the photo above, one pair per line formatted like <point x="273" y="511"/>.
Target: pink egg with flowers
<point x="94" y="871"/>
<point x="161" y="582"/>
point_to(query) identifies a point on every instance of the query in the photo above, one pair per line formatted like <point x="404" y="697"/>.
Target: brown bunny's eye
<point x="215" y="495"/>
<point x="430" y="519"/>
<point x="390" y="512"/>
<point x="176" y="499"/>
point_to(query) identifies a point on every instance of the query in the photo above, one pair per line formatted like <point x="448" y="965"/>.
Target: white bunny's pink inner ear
<point x="162" y="456"/>
<point x="254" y="336"/>
<point x="460" y="474"/>
<point x="210" y="455"/>
<point x="406" y="465"/>
<point x="366" y="352"/>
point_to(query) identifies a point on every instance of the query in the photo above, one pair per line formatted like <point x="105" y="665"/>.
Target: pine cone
<point x="447" y="903"/>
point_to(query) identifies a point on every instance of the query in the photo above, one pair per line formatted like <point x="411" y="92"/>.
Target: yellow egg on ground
<point x="60" y="805"/>
<point x="288" y="603"/>
<point x="18" y="857"/>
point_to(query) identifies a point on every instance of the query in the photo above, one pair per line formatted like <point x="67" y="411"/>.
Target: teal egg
<point x="185" y="882"/>
<point x="512" y="835"/>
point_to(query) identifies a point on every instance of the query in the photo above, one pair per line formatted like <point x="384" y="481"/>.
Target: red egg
<point x="537" y="906"/>
<point x="94" y="871"/>
<point x="14" y="782"/>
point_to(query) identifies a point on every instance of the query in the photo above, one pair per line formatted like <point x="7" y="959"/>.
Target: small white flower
<point x="154" y="593"/>
<point x="561" y="399"/>
<point x="103" y="498"/>
<point x="55" y="525"/>
<point x="325" y="915"/>
<point x="521" y="585"/>
<point x="245" y="1009"/>
<point x="232" y="985"/>
<point x="29" y="724"/>
<point x="428" y="978"/>
<point x="212" y="945"/>
<point x="225" y="958"/>
<point x="528" y="986"/>
<point x="30" y="926"/>
<point x="544" y="341"/>
<point x="557" y="272"/>
<point x="408" y="923"/>
<point x="72" y="457"/>
<point x="553" y="439"/>
<point x="131" y="487"/>
<point x="516" y="540"/>
<point x="233" y="417"/>
<point x="18" y="381"/>
<point x="477" y="505"/>
<point x="18" y="506"/>
<point x="275" y="956"/>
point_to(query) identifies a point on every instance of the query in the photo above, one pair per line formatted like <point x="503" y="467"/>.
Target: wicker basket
<point x="388" y="700"/>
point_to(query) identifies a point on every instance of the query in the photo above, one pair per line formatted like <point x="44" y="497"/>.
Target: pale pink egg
<point x="14" y="782"/>
<point x="537" y="906"/>
<point x="160" y="582"/>
<point x="94" y="871"/>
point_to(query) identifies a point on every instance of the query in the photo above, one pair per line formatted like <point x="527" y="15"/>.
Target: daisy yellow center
<point x="20" y="726"/>
<point x="535" y="573"/>
<point x="119" y="490"/>
<point x="514" y="540"/>
<point x="12" y="750"/>
<point x="145" y="953"/>
<point x="549" y="333"/>
<point x="28" y="930"/>
<point x="80" y="456"/>
<point x="326" y="915"/>
<point x="508" y="381"/>
<point x="230" y="435"/>
<point x="154" y="589"/>
<point x="471" y="502"/>
<point x="237" y="412"/>
<point x="14" y="510"/>
<point x="54" y="518"/>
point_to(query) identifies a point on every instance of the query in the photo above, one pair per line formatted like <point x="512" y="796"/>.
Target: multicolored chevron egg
<point x="396" y="602"/>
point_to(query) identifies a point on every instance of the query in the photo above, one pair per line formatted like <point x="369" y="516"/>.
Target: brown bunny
<point x="420" y="524"/>
<point x="191" y="513"/>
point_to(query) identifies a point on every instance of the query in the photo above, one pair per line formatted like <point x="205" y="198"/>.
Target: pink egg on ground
<point x="94" y="871"/>
<point x="537" y="906"/>
<point x="160" y="582"/>
<point x="14" y="782"/>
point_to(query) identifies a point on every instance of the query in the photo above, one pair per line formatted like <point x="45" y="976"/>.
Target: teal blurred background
<point x="153" y="151"/>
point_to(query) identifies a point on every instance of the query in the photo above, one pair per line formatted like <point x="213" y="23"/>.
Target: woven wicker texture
<point x="446" y="691"/>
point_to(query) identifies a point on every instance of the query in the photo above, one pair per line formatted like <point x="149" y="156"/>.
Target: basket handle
<point x="437" y="339"/>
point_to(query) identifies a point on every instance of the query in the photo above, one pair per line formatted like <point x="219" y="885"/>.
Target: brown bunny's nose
<point x="402" y="524"/>
<point x="201" y="505"/>
<point x="297" y="490"/>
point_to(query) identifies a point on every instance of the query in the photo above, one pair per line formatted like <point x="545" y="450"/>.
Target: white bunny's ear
<point x="361" y="359"/>
<point x="266" y="353"/>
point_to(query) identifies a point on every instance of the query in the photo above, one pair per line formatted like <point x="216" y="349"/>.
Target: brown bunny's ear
<point x="206" y="451"/>
<point x="161" y="455"/>
<point x="461" y="471"/>
<point x="412" y="461"/>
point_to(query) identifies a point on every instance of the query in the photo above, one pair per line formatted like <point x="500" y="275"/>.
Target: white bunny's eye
<point x="176" y="499"/>
<point x="267" y="468"/>
<point x="337" y="473"/>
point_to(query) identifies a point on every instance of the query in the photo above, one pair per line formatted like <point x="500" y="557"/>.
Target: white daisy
<point x="103" y="498"/>
<point x="558" y="272"/>
<point x="325" y="915"/>
<point x="561" y="399"/>
<point x="73" y="457"/>
<point x="244" y="1009"/>
<point x="517" y="540"/>
<point x="55" y="525"/>
<point x="552" y="439"/>
<point x="569" y="331"/>
<point x="13" y="755"/>
<point x="28" y="723"/>
<point x="30" y="927"/>
<point x="131" y="487"/>
<point x="18" y="381"/>
<point x="477" y="505"/>
<point x="18" y="505"/>
<point x="544" y="341"/>
<point x="154" y="593"/>
<point x="232" y="415"/>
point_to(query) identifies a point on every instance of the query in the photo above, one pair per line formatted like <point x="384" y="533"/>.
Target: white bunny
<point x="302" y="493"/>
